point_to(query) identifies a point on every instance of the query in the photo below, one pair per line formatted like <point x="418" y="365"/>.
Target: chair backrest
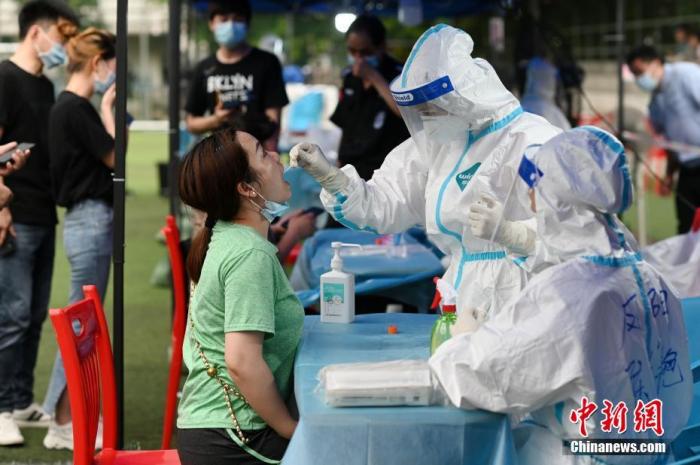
<point x="83" y="339"/>
<point x="177" y="266"/>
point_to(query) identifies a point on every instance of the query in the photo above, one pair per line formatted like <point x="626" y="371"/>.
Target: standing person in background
<point x="81" y="142"/>
<point x="681" y="51"/>
<point x="366" y="112"/>
<point x="26" y="97"/>
<point x="693" y="46"/>
<point x="540" y="92"/>
<point x="674" y="111"/>
<point x="239" y="86"/>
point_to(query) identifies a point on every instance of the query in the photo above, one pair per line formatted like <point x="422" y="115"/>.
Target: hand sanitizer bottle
<point x="338" y="290"/>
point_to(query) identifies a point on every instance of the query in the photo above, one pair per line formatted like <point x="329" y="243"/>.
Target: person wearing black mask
<point x="366" y="112"/>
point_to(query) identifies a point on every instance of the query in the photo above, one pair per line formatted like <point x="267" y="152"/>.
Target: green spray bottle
<point x="446" y="299"/>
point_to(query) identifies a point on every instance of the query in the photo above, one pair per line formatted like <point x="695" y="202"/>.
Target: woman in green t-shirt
<point x="245" y="321"/>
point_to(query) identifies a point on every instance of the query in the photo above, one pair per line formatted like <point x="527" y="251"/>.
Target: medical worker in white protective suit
<point x="467" y="134"/>
<point x="602" y="323"/>
<point x="540" y="92"/>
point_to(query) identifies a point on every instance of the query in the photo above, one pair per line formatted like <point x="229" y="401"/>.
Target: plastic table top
<point x="384" y="435"/>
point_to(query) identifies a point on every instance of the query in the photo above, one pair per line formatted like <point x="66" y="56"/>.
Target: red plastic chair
<point x="87" y="358"/>
<point x="177" y="265"/>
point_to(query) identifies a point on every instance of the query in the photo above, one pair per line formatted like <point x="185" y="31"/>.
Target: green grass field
<point x="147" y="312"/>
<point x="147" y="309"/>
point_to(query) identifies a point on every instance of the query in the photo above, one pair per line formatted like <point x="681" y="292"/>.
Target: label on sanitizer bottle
<point x="333" y="299"/>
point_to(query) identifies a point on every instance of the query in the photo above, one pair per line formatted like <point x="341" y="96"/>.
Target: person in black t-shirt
<point x="27" y="225"/>
<point x="81" y="143"/>
<point x="240" y="85"/>
<point x="366" y="112"/>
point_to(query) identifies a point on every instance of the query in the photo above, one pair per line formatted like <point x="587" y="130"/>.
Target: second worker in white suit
<point x="468" y="134"/>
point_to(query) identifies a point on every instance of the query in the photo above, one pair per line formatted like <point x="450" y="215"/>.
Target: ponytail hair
<point x="209" y="176"/>
<point x="92" y="42"/>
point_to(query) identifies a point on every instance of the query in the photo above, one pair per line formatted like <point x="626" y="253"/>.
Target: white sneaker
<point x="32" y="416"/>
<point x="9" y="431"/>
<point x="59" y="436"/>
<point x="98" y="439"/>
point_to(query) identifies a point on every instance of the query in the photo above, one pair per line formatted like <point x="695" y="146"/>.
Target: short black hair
<point x="644" y="53"/>
<point x="44" y="10"/>
<point x="371" y="26"/>
<point x="241" y="7"/>
<point x="685" y="27"/>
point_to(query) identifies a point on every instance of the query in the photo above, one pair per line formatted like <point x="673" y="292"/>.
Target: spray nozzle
<point x="336" y="261"/>
<point x="445" y="296"/>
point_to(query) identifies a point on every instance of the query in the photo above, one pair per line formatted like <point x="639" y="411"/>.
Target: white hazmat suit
<point x="540" y="92"/>
<point x="467" y="135"/>
<point x="602" y="324"/>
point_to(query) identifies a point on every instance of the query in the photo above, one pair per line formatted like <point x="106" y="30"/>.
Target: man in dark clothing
<point x="240" y="85"/>
<point x="366" y="112"/>
<point x="27" y="225"/>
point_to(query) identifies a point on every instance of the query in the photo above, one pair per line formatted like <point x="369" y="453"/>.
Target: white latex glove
<point x="466" y="323"/>
<point x="310" y="157"/>
<point x="483" y="219"/>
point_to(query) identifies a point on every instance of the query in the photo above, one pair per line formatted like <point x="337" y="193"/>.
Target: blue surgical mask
<point x="647" y="83"/>
<point x="372" y="60"/>
<point x="56" y="56"/>
<point x="231" y="33"/>
<point x="102" y="86"/>
<point x="271" y="210"/>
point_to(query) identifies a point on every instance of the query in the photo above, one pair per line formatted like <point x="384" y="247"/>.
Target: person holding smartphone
<point x="26" y="98"/>
<point x="81" y="142"/>
<point x="16" y="158"/>
<point x="240" y="85"/>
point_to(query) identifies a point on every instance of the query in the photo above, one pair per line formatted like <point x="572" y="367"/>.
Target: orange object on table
<point x="392" y="329"/>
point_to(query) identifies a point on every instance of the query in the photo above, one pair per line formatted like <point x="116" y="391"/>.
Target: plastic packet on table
<point x="392" y="251"/>
<point x="380" y="384"/>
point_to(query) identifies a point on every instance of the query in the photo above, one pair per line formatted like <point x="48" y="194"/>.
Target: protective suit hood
<point x="582" y="182"/>
<point x="541" y="79"/>
<point x="441" y="78"/>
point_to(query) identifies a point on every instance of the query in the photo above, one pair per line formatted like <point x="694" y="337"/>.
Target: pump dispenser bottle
<point x="338" y="290"/>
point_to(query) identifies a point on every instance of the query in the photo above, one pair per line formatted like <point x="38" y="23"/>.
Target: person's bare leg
<point x="62" y="414"/>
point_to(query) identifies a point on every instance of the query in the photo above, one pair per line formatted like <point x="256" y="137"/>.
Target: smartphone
<point x="7" y="156"/>
<point x="231" y="104"/>
<point x="9" y="246"/>
<point x="315" y="210"/>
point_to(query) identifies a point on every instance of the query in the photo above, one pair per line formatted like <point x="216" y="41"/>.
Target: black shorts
<point x="214" y="446"/>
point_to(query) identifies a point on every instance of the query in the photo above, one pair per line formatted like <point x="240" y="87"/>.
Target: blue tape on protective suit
<point x="529" y="172"/>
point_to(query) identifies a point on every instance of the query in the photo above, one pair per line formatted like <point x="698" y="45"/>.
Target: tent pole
<point x="174" y="101"/>
<point x="119" y="209"/>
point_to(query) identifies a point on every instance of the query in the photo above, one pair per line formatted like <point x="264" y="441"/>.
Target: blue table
<point x="384" y="436"/>
<point x="406" y="278"/>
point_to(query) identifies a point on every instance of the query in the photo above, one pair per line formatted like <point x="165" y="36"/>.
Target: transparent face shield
<point x="427" y="114"/>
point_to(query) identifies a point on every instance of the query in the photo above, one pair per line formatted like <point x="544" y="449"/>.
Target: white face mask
<point x="442" y="129"/>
